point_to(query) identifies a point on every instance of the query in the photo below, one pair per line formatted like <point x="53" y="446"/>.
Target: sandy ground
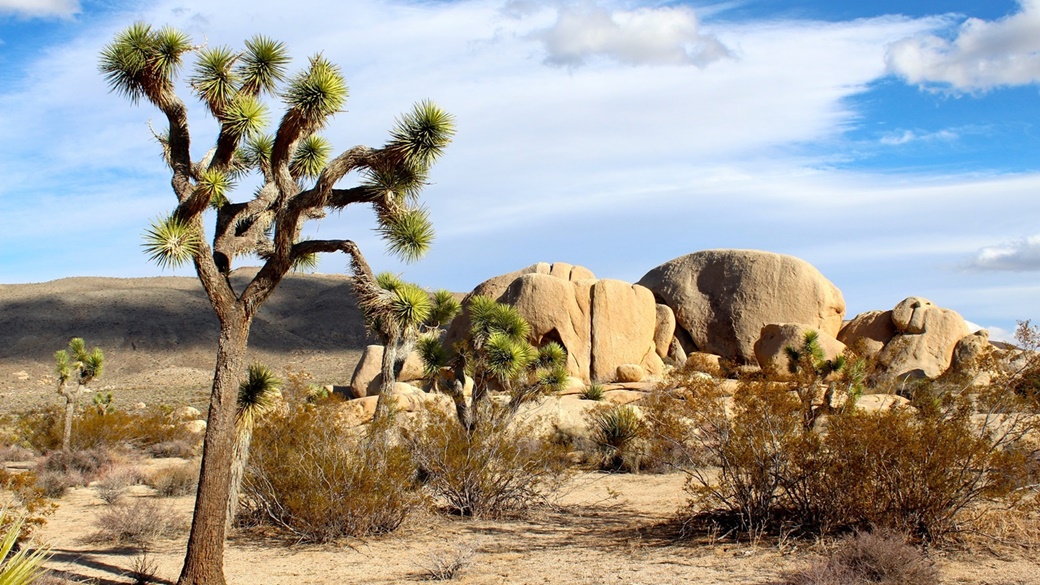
<point x="607" y="529"/>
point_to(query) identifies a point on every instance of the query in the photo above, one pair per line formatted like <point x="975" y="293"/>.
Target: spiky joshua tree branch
<point x="300" y="181"/>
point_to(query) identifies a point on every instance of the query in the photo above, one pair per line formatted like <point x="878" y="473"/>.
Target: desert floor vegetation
<point x="753" y="480"/>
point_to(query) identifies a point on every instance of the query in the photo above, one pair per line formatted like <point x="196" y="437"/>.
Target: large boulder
<point x="770" y="349"/>
<point x="624" y="320"/>
<point x="868" y="332"/>
<point x="368" y="375"/>
<point x="601" y="323"/>
<point x="550" y="306"/>
<point x="723" y="298"/>
<point x="924" y="345"/>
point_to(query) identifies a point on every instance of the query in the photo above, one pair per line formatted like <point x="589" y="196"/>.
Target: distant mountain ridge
<point x="159" y="334"/>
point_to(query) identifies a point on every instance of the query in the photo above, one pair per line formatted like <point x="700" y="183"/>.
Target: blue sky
<point x="894" y="145"/>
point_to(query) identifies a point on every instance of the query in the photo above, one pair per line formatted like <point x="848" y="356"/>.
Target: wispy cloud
<point x="976" y="55"/>
<point x="40" y="8"/>
<point x="644" y="36"/>
<point x="908" y="136"/>
<point x="1022" y="255"/>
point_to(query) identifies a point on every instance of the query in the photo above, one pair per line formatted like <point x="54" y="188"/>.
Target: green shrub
<point x="500" y="467"/>
<point x="593" y="391"/>
<point x="619" y="433"/>
<point x="323" y="483"/>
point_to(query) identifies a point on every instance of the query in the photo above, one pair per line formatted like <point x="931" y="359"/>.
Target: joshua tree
<point x="496" y="353"/>
<point x="812" y="369"/>
<point x="256" y="397"/>
<point x="78" y="366"/>
<point x="298" y="182"/>
<point x="399" y="314"/>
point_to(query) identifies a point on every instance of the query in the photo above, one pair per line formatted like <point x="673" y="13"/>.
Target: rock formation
<point x="770" y="348"/>
<point x="602" y="323"/>
<point x="723" y="298"/>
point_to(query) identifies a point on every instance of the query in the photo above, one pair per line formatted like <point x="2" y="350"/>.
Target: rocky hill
<point x="159" y="334"/>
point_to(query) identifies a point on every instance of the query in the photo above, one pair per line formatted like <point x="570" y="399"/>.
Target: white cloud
<point x="1022" y="255"/>
<point x="907" y="136"/>
<point x="995" y="333"/>
<point x="40" y="8"/>
<point x="644" y="36"/>
<point x="977" y="56"/>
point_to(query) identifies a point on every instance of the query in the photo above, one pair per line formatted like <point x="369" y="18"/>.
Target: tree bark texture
<point x="70" y="407"/>
<point x="204" y="561"/>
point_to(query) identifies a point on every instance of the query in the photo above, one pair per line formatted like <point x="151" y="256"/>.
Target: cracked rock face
<point x="602" y="323"/>
<point x="723" y="298"/>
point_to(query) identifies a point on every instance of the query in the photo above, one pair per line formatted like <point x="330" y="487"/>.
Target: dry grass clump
<point x="115" y="482"/>
<point x="503" y="466"/>
<point x="16" y="453"/>
<point x="446" y="565"/>
<point x="139" y="522"/>
<point x="176" y="480"/>
<point x="867" y="559"/>
<point x="320" y="483"/>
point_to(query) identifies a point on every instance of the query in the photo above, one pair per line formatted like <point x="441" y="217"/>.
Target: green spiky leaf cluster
<point x="408" y="234"/>
<point x="421" y="135"/>
<point x="498" y="353"/>
<point x="257" y="393"/>
<point x="214" y="186"/>
<point x="78" y="362"/>
<point x="311" y="157"/>
<point x="318" y="92"/>
<point x="445" y="308"/>
<point x="170" y="242"/>
<point x="141" y="62"/>
<point x="24" y="566"/>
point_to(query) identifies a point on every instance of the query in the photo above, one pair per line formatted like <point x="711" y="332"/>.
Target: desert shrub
<point x="619" y="433"/>
<point x="321" y="483"/>
<point x="446" y="565"/>
<point x="139" y="522"/>
<point x="15" y="453"/>
<point x="593" y="391"/>
<point x="742" y="458"/>
<point x="913" y="471"/>
<point x="143" y="570"/>
<point x="88" y="464"/>
<point x="91" y="429"/>
<point x="179" y="448"/>
<point x="176" y="480"/>
<point x="27" y="503"/>
<point x="115" y="482"/>
<point x="867" y="558"/>
<point x="502" y="466"/>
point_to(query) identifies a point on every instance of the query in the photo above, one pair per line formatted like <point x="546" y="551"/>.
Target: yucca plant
<point x="617" y="431"/>
<point x="257" y="395"/>
<point x="813" y="371"/>
<point x="299" y="175"/>
<point x="76" y="365"/>
<point x="23" y="567"/>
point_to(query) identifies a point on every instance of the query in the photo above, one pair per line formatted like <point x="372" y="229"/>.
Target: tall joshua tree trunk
<point x="204" y="562"/>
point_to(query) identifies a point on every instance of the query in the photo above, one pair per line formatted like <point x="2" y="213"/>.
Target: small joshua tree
<point x="812" y="369"/>
<point x="399" y="315"/>
<point x="497" y="355"/>
<point x="299" y="180"/>
<point x="76" y="368"/>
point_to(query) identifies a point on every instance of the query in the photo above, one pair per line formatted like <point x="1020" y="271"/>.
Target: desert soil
<point x="607" y="529"/>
